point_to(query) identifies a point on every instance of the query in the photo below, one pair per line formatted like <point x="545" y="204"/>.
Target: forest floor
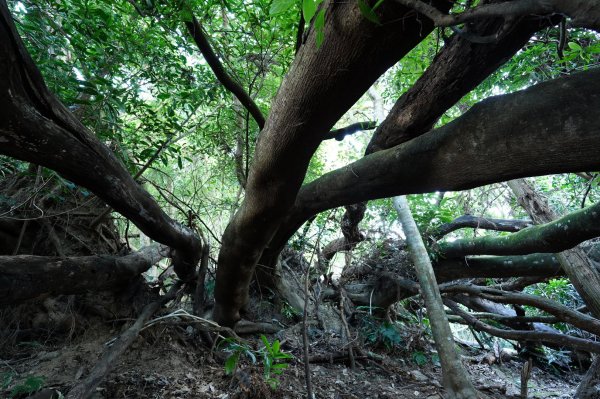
<point x="166" y="361"/>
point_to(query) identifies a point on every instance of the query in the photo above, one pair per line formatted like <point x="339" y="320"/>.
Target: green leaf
<point x="231" y="363"/>
<point x="309" y="7"/>
<point x="368" y="12"/>
<point x="186" y="15"/>
<point x="280" y="6"/>
<point x="574" y="46"/>
<point x="319" y="27"/>
<point x="179" y="162"/>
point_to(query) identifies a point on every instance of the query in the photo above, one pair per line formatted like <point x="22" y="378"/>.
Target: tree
<point x="539" y="127"/>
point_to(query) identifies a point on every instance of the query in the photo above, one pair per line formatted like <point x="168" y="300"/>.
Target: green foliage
<point x="378" y="332"/>
<point x="420" y="358"/>
<point x="30" y="385"/>
<point x="289" y="312"/>
<point x="274" y="360"/>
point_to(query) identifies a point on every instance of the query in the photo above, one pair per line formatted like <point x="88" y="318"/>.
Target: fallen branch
<point x="24" y="277"/>
<point x="577" y="319"/>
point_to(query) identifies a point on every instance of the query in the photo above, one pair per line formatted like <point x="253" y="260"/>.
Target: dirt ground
<point x="169" y="361"/>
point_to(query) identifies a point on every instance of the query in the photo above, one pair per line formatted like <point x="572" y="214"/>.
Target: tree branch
<point x="559" y="235"/>
<point x="339" y="134"/>
<point x="476" y="222"/>
<point x="585" y="13"/>
<point x="195" y="29"/>
<point x="533" y="336"/>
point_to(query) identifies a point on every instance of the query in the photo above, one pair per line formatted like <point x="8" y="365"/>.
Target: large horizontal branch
<point x="36" y="127"/>
<point x="477" y="222"/>
<point x="542" y="130"/>
<point x="585" y="13"/>
<point x="197" y="32"/>
<point x="388" y="289"/>
<point x="25" y="277"/>
<point x="532" y="336"/>
<point x="559" y="235"/>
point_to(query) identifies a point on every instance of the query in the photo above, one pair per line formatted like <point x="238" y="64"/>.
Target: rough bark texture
<point x="36" y="127"/>
<point x="455" y="378"/>
<point x="356" y="51"/>
<point x="545" y="129"/>
<point x="559" y="235"/>
<point x="475" y="222"/>
<point x="458" y="68"/>
<point x="588" y="387"/>
<point x="25" y="277"/>
<point x="576" y="264"/>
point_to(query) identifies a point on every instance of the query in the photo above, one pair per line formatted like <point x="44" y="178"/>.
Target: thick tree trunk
<point x="320" y="86"/>
<point x="36" y="127"/>
<point x="25" y="277"/>
<point x="576" y="264"/>
<point x="455" y="377"/>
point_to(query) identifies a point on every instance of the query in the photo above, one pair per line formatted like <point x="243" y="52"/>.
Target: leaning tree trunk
<point x="36" y="127"/>
<point x="455" y="377"/>
<point x="576" y="264"/>
<point x="313" y="96"/>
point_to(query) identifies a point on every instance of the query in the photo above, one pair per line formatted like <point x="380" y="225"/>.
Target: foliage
<point x="28" y="386"/>
<point x="379" y="332"/>
<point x="274" y="360"/>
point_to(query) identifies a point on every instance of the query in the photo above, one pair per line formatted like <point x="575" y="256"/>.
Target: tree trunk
<point x="458" y="68"/>
<point x="455" y="377"/>
<point x="588" y="387"/>
<point x="313" y="96"/>
<point x="576" y="264"/>
<point x="36" y="127"/>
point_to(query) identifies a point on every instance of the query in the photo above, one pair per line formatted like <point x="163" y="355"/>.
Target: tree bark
<point x="475" y="222"/>
<point x="458" y="68"/>
<point x="576" y="264"/>
<point x="455" y="378"/>
<point x="545" y="129"/>
<point x="313" y="96"/>
<point x="558" y="235"/>
<point x="36" y="127"/>
<point x="24" y="277"/>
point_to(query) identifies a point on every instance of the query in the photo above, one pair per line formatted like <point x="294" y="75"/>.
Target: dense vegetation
<point x="208" y="127"/>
